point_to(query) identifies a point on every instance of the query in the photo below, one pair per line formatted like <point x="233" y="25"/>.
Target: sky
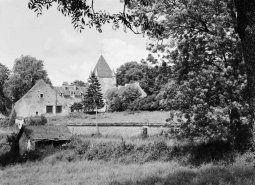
<point x="68" y="55"/>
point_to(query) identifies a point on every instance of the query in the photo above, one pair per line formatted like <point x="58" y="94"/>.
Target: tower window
<point x="41" y="95"/>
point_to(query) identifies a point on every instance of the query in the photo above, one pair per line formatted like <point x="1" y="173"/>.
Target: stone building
<point x="70" y="93"/>
<point x="41" y="99"/>
<point x="105" y="75"/>
<point x="30" y="137"/>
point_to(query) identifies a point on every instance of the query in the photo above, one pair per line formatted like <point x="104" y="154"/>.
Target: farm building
<point x="30" y="137"/>
<point x="70" y="93"/>
<point x="41" y="99"/>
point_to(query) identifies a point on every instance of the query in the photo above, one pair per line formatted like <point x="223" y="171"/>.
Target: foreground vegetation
<point x="99" y="172"/>
<point x="156" y="160"/>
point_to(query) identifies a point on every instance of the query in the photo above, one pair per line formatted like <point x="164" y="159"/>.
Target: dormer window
<point x="41" y="95"/>
<point x="71" y="93"/>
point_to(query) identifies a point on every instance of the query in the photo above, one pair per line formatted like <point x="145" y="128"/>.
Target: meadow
<point x="144" y="117"/>
<point x="114" y="160"/>
<point x="156" y="160"/>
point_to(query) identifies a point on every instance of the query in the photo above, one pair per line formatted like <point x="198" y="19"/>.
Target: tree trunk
<point x="248" y="44"/>
<point x="245" y="27"/>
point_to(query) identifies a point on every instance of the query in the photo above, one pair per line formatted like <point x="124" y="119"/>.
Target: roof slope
<point x="66" y="90"/>
<point x="102" y="68"/>
<point x="47" y="132"/>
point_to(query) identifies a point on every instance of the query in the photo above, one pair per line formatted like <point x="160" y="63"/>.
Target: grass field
<point x="155" y="117"/>
<point x="100" y="173"/>
<point x="69" y="167"/>
<point x="156" y="160"/>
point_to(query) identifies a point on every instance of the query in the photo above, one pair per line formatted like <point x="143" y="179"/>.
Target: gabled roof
<point x="46" y="132"/>
<point x="40" y="82"/>
<point x="102" y="69"/>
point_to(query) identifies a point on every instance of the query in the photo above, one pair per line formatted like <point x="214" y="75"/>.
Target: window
<point x="36" y="113"/>
<point x="72" y="93"/>
<point x="58" y="109"/>
<point x="49" y="109"/>
<point x="61" y="94"/>
<point x="41" y="95"/>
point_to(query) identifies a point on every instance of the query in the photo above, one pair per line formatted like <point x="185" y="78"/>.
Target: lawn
<point x="142" y="117"/>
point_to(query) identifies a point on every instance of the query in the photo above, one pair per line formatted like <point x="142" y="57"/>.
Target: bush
<point x="36" y="120"/>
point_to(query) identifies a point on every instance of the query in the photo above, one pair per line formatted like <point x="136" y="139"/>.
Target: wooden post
<point x="97" y="122"/>
<point x="145" y="132"/>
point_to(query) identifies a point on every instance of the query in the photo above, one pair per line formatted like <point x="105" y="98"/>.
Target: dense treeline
<point x="152" y="76"/>
<point x="16" y="82"/>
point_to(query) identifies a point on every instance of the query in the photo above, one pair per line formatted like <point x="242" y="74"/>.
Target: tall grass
<point x="99" y="172"/>
<point x="118" y="162"/>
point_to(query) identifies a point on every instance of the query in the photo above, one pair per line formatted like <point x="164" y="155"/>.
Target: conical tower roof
<point x="102" y="69"/>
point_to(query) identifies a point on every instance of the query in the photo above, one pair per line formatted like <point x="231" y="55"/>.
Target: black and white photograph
<point x="127" y="92"/>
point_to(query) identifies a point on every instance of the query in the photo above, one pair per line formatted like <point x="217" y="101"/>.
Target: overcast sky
<point x="67" y="54"/>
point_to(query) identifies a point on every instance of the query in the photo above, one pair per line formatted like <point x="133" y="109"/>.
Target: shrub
<point x="11" y="139"/>
<point x="37" y="120"/>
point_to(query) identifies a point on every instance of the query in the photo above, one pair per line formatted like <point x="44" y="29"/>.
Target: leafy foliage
<point x="26" y="71"/>
<point x="208" y="68"/>
<point x="121" y="102"/>
<point x="151" y="78"/>
<point x="83" y="14"/>
<point x="5" y="103"/>
<point x="36" y="120"/>
<point x="77" y="106"/>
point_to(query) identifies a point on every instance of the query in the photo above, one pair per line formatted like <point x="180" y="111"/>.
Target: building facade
<point x="71" y="93"/>
<point x="41" y="99"/>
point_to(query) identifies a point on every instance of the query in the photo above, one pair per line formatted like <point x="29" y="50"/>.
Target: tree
<point x="5" y="103"/>
<point x="83" y="14"/>
<point x="76" y="106"/>
<point x="128" y="72"/>
<point x="214" y="20"/>
<point x="79" y="83"/>
<point x="129" y="95"/>
<point x="26" y="71"/>
<point x="244" y="19"/>
<point x="93" y="99"/>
